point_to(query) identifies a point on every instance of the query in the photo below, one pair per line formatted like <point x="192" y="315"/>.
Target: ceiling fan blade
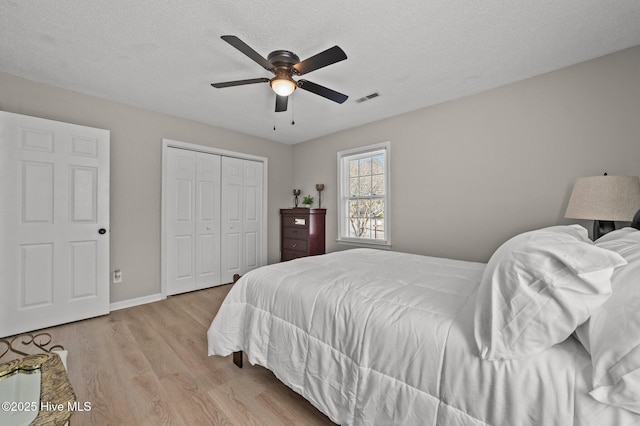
<point x="281" y="103"/>
<point x="322" y="59"/>
<point x="244" y="48"/>
<point x="322" y="91"/>
<point x="240" y="82"/>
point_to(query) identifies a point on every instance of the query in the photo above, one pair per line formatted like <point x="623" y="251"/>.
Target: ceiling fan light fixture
<point x="283" y="86"/>
<point x="285" y="64"/>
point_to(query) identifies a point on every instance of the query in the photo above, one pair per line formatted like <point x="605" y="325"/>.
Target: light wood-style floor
<point x="148" y="365"/>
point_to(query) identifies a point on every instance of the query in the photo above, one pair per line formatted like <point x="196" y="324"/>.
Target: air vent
<point x="366" y="98"/>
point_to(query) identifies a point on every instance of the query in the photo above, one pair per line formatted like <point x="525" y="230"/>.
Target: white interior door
<point x="252" y="226"/>
<point x="54" y="222"/>
<point x="242" y="212"/>
<point x="180" y="223"/>
<point x="207" y="220"/>
<point x="213" y="216"/>
<point x="232" y="200"/>
<point x="192" y="220"/>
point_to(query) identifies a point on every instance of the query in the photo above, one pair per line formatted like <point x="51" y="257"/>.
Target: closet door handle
<point x="102" y="231"/>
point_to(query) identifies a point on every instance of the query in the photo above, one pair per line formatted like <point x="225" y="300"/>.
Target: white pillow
<point x="582" y="332"/>
<point x="537" y="288"/>
<point x="619" y="236"/>
<point x="614" y="329"/>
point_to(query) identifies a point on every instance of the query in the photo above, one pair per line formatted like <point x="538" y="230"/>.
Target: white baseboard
<point x="135" y="302"/>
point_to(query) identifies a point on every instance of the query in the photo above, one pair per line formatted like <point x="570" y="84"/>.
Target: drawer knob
<point x="294" y="245"/>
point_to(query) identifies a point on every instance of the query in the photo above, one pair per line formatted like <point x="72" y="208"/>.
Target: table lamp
<point x="604" y="199"/>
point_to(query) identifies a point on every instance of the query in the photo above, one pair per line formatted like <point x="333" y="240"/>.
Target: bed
<point x="381" y="337"/>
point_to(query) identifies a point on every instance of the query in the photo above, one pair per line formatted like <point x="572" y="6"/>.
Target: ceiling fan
<point x="285" y="64"/>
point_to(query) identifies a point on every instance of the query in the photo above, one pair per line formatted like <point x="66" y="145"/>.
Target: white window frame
<point x="343" y="195"/>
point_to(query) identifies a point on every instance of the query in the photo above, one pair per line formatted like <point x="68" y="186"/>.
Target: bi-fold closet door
<point x="213" y="226"/>
<point x="241" y="216"/>
<point x="193" y="220"/>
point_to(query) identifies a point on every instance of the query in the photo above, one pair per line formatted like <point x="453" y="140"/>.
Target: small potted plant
<point x="307" y="201"/>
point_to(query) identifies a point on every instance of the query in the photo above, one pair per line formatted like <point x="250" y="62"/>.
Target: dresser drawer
<point x="297" y="222"/>
<point x="295" y="233"/>
<point x="296" y="245"/>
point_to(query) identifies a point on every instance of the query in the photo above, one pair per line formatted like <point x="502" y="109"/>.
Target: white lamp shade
<point x="282" y="86"/>
<point x="615" y="198"/>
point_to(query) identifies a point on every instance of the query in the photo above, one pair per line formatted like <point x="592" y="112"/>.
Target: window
<point x="363" y="204"/>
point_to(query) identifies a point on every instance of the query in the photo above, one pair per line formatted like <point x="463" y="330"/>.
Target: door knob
<point x="102" y="231"/>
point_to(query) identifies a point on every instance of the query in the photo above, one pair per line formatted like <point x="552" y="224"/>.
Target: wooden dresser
<point x="301" y="232"/>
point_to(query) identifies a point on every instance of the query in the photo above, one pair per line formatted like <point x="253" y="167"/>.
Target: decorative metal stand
<point x="21" y="342"/>
<point x="296" y="192"/>
<point x="320" y="188"/>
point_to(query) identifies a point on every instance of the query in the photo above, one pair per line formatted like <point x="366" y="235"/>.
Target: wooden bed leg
<point x="237" y="356"/>
<point x="237" y="359"/>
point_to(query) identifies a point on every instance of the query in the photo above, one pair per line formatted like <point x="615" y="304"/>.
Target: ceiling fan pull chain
<point x="293" y="121"/>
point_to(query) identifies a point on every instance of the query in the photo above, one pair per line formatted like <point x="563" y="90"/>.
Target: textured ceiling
<point x="162" y="55"/>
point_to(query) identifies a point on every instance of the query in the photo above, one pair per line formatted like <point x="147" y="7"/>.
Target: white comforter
<point x="377" y="337"/>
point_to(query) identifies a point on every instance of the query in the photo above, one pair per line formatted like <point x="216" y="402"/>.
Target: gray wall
<point x="136" y="154"/>
<point x="466" y="175"/>
<point x="469" y="174"/>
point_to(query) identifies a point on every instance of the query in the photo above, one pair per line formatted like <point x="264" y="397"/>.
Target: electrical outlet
<point x="117" y="276"/>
